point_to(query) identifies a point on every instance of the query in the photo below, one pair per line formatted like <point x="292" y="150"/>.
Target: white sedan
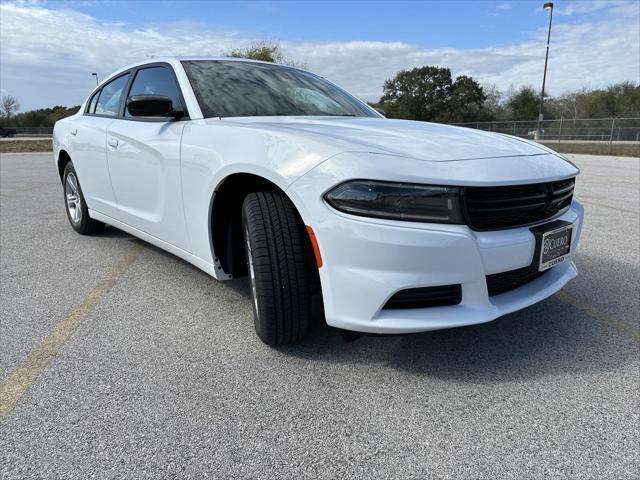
<point x="250" y="168"/>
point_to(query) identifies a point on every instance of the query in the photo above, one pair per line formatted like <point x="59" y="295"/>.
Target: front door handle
<point x="113" y="142"/>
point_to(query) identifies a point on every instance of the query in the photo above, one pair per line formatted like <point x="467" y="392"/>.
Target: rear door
<point x="87" y="144"/>
<point x="143" y="155"/>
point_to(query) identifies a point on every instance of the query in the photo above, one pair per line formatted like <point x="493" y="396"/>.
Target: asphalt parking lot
<point x="154" y="370"/>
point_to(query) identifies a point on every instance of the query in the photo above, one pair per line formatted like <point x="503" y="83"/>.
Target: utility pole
<point x="546" y="6"/>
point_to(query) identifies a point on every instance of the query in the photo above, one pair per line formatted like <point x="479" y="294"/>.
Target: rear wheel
<point x="281" y="271"/>
<point x="76" y="207"/>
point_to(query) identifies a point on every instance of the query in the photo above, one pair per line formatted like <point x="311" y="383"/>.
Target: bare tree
<point x="8" y="106"/>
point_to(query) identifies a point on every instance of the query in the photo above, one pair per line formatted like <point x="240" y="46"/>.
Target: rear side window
<point x="155" y="81"/>
<point x="110" y="97"/>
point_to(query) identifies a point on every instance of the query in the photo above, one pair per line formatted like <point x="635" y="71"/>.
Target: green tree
<point x="466" y="100"/>
<point x="42" y="117"/>
<point x="618" y="100"/>
<point x="430" y="94"/>
<point x="266" y="52"/>
<point x="523" y="104"/>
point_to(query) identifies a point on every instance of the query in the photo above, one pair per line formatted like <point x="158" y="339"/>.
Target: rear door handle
<point x="113" y="142"/>
<point x="74" y="131"/>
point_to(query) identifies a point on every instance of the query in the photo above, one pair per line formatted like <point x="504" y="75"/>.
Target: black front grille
<point x="491" y="208"/>
<point x="503" y="282"/>
<point x="424" y="297"/>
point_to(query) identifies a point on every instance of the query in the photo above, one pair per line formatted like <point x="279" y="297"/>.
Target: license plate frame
<point x="554" y="246"/>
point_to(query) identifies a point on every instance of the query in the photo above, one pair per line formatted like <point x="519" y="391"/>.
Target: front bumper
<point x="366" y="261"/>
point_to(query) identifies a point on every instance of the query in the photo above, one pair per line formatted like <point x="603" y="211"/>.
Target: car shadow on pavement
<point x="113" y="232"/>
<point x="553" y="337"/>
<point x="546" y="339"/>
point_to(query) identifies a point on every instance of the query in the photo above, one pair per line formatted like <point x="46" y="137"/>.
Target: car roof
<point x="174" y="60"/>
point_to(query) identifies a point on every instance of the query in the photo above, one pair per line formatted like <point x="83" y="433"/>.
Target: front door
<point x="144" y="162"/>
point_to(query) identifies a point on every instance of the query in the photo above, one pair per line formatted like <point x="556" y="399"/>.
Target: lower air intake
<point x="426" y="297"/>
<point x="503" y="282"/>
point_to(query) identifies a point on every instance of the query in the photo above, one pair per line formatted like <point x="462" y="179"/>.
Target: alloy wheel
<point x="72" y="193"/>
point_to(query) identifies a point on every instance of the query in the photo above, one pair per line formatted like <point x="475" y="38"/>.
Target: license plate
<point x="555" y="247"/>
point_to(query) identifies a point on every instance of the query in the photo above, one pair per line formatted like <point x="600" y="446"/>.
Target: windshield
<point x="248" y="89"/>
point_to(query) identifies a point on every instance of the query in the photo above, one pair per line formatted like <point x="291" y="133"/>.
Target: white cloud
<point x="48" y="55"/>
<point x="582" y="7"/>
<point x="504" y="6"/>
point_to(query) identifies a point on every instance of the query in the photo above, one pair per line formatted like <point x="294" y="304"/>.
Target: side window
<point x="92" y="104"/>
<point x="110" y="95"/>
<point x="155" y="81"/>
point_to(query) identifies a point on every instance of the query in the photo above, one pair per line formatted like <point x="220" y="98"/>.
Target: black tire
<point x="284" y="271"/>
<point x="82" y="224"/>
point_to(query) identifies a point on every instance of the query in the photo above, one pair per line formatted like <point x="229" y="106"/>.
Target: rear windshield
<point x="247" y="89"/>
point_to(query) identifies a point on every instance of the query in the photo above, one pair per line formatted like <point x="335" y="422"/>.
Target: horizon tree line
<point x="428" y="93"/>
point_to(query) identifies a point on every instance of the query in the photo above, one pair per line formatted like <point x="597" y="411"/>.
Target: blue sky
<point x="49" y="48"/>
<point x="477" y="23"/>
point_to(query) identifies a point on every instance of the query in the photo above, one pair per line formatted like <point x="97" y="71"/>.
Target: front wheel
<point x="76" y="207"/>
<point x="281" y="270"/>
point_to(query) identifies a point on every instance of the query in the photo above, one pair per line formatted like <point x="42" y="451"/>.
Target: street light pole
<point x="546" y="6"/>
<point x="96" y="75"/>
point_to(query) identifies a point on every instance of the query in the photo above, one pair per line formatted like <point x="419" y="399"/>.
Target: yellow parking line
<point x="22" y="377"/>
<point x="623" y="327"/>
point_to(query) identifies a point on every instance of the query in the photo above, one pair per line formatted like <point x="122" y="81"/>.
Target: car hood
<point x="418" y="140"/>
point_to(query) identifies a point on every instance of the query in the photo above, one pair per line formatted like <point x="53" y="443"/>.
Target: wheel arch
<point x="225" y="219"/>
<point x="63" y="159"/>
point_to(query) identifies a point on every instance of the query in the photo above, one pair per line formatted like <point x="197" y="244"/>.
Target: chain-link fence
<point x="567" y="129"/>
<point x="31" y="131"/>
<point x="562" y="130"/>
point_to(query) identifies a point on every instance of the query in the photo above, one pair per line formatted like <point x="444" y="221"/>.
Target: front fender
<point x="213" y="150"/>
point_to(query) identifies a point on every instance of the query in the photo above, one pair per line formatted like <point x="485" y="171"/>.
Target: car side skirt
<point x="178" y="252"/>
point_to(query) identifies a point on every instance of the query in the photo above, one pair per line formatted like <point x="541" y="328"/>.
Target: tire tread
<point x="281" y="267"/>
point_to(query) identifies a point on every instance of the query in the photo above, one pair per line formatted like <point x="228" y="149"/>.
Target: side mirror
<point x="152" y="106"/>
<point x="380" y="111"/>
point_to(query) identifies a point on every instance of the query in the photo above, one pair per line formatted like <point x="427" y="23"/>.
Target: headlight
<point x="397" y="201"/>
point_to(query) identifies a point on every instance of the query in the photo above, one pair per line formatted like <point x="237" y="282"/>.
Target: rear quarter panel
<point x="60" y="138"/>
